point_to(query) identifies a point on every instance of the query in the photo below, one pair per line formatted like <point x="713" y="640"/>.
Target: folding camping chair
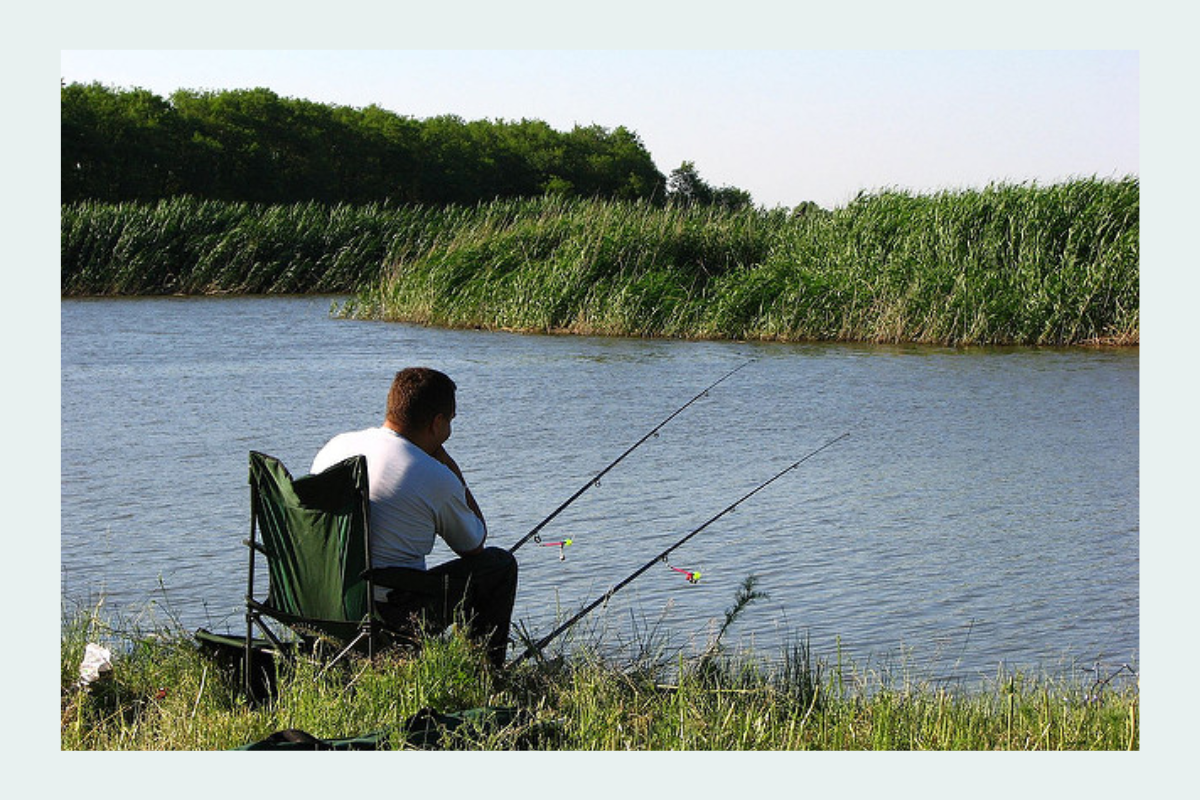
<point x="314" y="537"/>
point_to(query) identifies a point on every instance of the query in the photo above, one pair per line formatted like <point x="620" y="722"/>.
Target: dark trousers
<point x="478" y="589"/>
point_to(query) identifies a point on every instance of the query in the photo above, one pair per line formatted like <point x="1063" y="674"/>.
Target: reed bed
<point x="163" y="695"/>
<point x="1008" y="264"/>
<point x="188" y="246"/>
<point x="1004" y="265"/>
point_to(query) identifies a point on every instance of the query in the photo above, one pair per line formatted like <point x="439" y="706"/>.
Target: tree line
<point x="251" y="145"/>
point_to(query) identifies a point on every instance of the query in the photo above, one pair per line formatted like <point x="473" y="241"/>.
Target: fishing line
<point x="533" y="534"/>
<point x="603" y="599"/>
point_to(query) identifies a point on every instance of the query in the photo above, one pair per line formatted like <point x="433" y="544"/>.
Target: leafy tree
<point x="807" y="208"/>
<point x="732" y="198"/>
<point x="380" y="157"/>
<point x="121" y="144"/>
<point x="253" y="145"/>
<point x="686" y="187"/>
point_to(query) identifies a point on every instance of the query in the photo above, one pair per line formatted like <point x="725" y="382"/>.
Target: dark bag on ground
<point x="426" y="730"/>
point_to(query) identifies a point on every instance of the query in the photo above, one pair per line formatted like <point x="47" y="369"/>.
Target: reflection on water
<point x="983" y="510"/>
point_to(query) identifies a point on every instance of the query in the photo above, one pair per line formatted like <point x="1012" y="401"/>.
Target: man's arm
<point x="444" y="457"/>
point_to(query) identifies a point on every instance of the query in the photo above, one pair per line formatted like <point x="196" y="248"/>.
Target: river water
<point x="981" y="514"/>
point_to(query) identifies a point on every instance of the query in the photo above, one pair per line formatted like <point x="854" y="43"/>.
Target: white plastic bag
<point x="97" y="661"/>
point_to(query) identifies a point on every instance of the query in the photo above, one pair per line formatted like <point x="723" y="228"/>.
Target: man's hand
<point x="441" y="455"/>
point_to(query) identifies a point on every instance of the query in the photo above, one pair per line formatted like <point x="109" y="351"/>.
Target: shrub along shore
<point x="1008" y="264"/>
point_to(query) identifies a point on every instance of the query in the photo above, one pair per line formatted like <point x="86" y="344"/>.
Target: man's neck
<point x="421" y="439"/>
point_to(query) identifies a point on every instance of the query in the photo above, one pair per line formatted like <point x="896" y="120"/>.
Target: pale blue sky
<point x="787" y="126"/>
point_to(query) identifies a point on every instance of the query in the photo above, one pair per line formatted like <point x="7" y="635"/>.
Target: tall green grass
<point x="189" y="246"/>
<point x="163" y="695"/>
<point x="1007" y="264"/>
<point x="1004" y="265"/>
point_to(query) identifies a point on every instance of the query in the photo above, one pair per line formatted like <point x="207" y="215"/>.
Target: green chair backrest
<point x="314" y="533"/>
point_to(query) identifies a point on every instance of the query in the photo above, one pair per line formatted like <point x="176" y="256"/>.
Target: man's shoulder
<point x="354" y="436"/>
<point x="351" y="439"/>
<point x="345" y="445"/>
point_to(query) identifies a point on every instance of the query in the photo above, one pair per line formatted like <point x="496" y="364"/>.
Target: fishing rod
<point x="621" y="457"/>
<point x="604" y="598"/>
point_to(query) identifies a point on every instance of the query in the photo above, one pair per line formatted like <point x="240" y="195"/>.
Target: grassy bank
<point x="162" y="694"/>
<point x="1009" y="264"/>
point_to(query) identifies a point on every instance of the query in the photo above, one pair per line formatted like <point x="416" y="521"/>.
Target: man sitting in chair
<point x="418" y="492"/>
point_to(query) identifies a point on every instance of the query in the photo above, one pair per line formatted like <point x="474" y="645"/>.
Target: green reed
<point x="1004" y="265"/>
<point x="1007" y="264"/>
<point x="188" y="246"/>
<point x="163" y="695"/>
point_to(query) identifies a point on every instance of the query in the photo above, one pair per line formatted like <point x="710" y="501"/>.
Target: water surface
<point x="982" y="512"/>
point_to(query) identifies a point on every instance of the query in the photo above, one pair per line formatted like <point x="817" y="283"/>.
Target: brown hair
<point x="418" y="394"/>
